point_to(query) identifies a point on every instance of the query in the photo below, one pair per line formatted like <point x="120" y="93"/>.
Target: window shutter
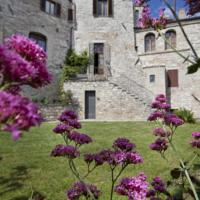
<point x="110" y="8"/>
<point x="172" y="76"/>
<point x="91" y="58"/>
<point x="42" y="4"/>
<point x="94" y="7"/>
<point x="58" y="9"/>
<point x="107" y="59"/>
<point x="70" y="14"/>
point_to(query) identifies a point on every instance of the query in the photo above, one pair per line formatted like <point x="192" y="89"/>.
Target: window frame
<point x="35" y="36"/>
<point x="152" y="47"/>
<point x="108" y="13"/>
<point x="172" y="39"/>
<point x="54" y="8"/>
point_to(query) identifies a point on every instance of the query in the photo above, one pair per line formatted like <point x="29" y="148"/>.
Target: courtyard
<point x="26" y="166"/>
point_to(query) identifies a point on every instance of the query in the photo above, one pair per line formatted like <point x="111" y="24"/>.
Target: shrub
<point x="185" y="115"/>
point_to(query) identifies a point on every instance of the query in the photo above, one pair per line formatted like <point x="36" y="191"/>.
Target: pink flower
<point x="17" y="114"/>
<point x="133" y="187"/>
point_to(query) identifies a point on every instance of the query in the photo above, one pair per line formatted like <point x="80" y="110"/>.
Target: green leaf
<point x="194" y="67"/>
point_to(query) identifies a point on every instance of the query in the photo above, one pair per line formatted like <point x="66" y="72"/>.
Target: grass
<point x="25" y="165"/>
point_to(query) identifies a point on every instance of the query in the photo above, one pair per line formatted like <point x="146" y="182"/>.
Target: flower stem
<point x="185" y="171"/>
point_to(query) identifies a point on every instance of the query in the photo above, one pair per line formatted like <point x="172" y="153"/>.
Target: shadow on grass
<point x="15" y="180"/>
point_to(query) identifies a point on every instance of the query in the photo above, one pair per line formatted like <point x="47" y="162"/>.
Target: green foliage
<point x="186" y="115"/>
<point x="194" y="67"/>
<point x="74" y="64"/>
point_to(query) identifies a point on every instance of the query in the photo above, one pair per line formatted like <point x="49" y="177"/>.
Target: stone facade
<point x="25" y="17"/>
<point x="122" y="78"/>
<point x="159" y="61"/>
<point x="126" y="93"/>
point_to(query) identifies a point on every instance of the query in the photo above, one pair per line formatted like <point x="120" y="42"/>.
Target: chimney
<point x="182" y="14"/>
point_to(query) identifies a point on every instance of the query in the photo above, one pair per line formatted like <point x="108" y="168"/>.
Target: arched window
<point x="40" y="39"/>
<point x="171" y="38"/>
<point x="150" y="44"/>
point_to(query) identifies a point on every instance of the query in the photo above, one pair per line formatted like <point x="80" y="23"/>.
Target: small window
<point x="171" y="38"/>
<point x="152" y="78"/>
<point x="70" y="14"/>
<point x="172" y="78"/>
<point x="51" y="7"/>
<point x="98" y="58"/>
<point x="102" y="8"/>
<point x="150" y="42"/>
<point x="40" y="39"/>
<point x="136" y="18"/>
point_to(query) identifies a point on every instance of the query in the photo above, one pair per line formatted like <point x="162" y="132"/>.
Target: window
<point x="70" y="14"/>
<point x="51" y="7"/>
<point x="102" y="8"/>
<point x="152" y="78"/>
<point x="98" y="58"/>
<point x="136" y="18"/>
<point x="172" y="78"/>
<point x="150" y="42"/>
<point x="40" y="39"/>
<point x="171" y="38"/>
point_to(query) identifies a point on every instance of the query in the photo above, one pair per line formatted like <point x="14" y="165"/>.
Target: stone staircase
<point x="141" y="94"/>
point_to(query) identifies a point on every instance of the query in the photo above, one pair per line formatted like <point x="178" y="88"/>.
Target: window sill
<point x="161" y="52"/>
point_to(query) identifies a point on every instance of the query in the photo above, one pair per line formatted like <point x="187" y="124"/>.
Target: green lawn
<point x="25" y="165"/>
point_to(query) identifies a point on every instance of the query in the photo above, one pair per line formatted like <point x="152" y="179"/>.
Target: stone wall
<point x="112" y="101"/>
<point x="25" y="16"/>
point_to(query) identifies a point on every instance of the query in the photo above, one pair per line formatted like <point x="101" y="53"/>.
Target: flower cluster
<point x="23" y="62"/>
<point x="63" y="150"/>
<point x="162" y="115"/>
<point x="17" y="114"/>
<point x="196" y="142"/>
<point x="80" y="189"/>
<point x="134" y="187"/>
<point x="193" y="6"/>
<point x="69" y="118"/>
<point x="79" y="138"/>
<point x="147" y="21"/>
<point x="120" y="154"/>
<point x="139" y="2"/>
<point x="159" y="187"/>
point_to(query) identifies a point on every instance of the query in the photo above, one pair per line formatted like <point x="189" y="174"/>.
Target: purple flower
<point x="62" y="150"/>
<point x="70" y="118"/>
<point x="89" y="157"/>
<point x="62" y="128"/>
<point x="160" y="132"/>
<point x="155" y="115"/>
<point x="158" y="184"/>
<point x="161" y="98"/>
<point x="171" y="119"/>
<point x="193" y="6"/>
<point x="196" y="143"/>
<point x="34" y="58"/>
<point x="134" y="187"/>
<point x="159" y="145"/>
<point x="196" y="135"/>
<point x="80" y="189"/>
<point x="133" y="158"/>
<point x="139" y="2"/>
<point x="79" y="138"/>
<point x="151" y="193"/>
<point x="17" y="114"/>
<point x="123" y="144"/>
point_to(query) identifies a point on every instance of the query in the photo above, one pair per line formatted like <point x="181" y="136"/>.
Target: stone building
<point x="128" y="65"/>
<point x="48" y="22"/>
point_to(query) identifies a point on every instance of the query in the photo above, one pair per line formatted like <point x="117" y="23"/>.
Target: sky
<point x="156" y="4"/>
